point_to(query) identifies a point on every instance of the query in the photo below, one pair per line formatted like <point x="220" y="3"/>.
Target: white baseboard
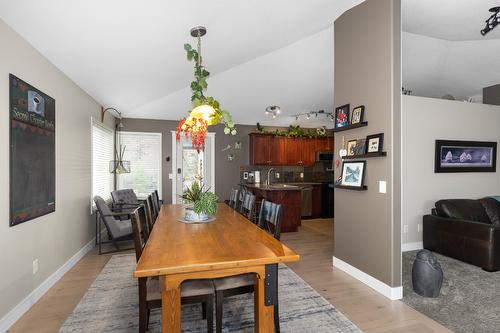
<point x="412" y="246"/>
<point x="392" y="293"/>
<point x="13" y="315"/>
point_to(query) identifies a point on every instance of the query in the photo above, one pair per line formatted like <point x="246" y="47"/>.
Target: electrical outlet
<point x="419" y="227"/>
<point x="405" y="228"/>
<point x="35" y="266"/>
<point x="277" y="175"/>
<point x="245" y="175"/>
<point x="301" y="175"/>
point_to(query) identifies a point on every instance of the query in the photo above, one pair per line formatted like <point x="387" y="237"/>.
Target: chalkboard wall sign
<point x="32" y="152"/>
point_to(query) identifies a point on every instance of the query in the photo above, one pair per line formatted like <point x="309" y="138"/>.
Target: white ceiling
<point x="443" y="51"/>
<point x="454" y="20"/>
<point x="129" y="54"/>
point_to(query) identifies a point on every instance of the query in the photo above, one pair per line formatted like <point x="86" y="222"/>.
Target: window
<point x="102" y="153"/>
<point x="143" y="150"/>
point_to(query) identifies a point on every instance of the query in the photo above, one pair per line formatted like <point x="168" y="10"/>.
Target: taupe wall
<point x="367" y="72"/>
<point x="56" y="237"/>
<point x="226" y="172"/>
<point x="424" y="121"/>
<point x="491" y="95"/>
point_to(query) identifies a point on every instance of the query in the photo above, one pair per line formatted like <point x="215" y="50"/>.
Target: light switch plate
<point x="170" y="176"/>
<point x="405" y="228"/>
<point x="382" y="186"/>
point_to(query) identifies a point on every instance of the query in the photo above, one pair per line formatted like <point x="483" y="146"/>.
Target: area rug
<point x="111" y="305"/>
<point x="469" y="299"/>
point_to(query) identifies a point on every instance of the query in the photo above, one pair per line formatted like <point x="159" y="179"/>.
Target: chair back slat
<point x="148" y="205"/>
<point x="248" y="205"/>
<point x="270" y="217"/>
<point x="139" y="230"/>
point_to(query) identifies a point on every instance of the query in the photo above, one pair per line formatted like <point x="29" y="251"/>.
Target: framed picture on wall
<point x="353" y="173"/>
<point x="375" y="143"/>
<point x="357" y="114"/>
<point x="351" y="146"/>
<point x="342" y="116"/>
<point x="465" y="156"/>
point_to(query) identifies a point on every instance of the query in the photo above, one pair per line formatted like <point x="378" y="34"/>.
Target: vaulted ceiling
<point x="129" y="54"/>
<point x="443" y="50"/>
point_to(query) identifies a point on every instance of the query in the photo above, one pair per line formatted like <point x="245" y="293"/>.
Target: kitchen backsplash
<point x="291" y="174"/>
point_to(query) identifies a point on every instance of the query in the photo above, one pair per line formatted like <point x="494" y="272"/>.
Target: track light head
<point x="492" y="21"/>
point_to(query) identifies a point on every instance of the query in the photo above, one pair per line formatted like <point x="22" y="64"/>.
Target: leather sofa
<point x="465" y="229"/>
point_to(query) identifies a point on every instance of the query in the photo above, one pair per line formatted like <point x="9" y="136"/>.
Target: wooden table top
<point x="229" y="241"/>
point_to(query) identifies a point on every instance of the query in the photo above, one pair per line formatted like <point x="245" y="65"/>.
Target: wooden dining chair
<point x="148" y="206"/>
<point x="233" y="198"/>
<point x="192" y="291"/>
<point x="270" y="217"/>
<point x="248" y="206"/>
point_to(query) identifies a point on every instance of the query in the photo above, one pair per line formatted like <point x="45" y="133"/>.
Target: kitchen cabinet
<point x="266" y="149"/>
<point x="316" y="201"/>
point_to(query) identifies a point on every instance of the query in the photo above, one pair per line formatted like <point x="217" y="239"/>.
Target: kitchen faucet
<point x="269" y="176"/>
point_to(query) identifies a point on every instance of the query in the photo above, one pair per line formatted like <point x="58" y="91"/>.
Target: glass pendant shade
<point x="203" y="111"/>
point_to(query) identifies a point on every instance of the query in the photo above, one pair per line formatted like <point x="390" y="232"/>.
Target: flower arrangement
<point x="206" y="109"/>
<point x="203" y="202"/>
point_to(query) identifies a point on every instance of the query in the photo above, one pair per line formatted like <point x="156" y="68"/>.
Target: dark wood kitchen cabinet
<point x="267" y="149"/>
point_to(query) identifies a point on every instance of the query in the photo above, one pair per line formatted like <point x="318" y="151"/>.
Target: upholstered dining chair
<point x="192" y="291"/>
<point x="270" y="213"/>
<point x="118" y="228"/>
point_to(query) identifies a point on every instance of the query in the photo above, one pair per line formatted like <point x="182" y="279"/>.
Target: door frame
<point x="211" y="138"/>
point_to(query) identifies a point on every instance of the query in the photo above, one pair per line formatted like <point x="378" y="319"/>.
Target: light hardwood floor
<point x="370" y="311"/>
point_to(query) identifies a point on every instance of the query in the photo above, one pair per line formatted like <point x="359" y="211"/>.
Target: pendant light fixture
<point x="206" y="109"/>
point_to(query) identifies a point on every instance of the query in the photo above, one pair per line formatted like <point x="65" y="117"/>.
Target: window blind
<point x="102" y="153"/>
<point x="143" y="150"/>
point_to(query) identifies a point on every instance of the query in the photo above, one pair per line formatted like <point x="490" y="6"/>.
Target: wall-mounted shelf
<point x="353" y="188"/>
<point x="348" y="127"/>
<point x="367" y="155"/>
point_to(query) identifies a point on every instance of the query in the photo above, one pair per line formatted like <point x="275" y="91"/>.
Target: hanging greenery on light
<point x="206" y="109"/>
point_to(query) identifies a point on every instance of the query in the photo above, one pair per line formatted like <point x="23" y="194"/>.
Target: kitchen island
<point x="288" y="195"/>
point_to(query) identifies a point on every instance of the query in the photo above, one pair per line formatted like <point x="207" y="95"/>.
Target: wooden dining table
<point x="229" y="245"/>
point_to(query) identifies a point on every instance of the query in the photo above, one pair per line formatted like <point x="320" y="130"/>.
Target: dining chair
<point x="233" y="198"/>
<point x="192" y="291"/>
<point x="270" y="215"/>
<point x="118" y="228"/>
<point x="248" y="206"/>
<point x="241" y="197"/>
<point x="148" y="206"/>
<point x="156" y="201"/>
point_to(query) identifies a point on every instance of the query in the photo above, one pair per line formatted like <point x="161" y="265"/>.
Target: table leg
<point x="171" y="307"/>
<point x="264" y="315"/>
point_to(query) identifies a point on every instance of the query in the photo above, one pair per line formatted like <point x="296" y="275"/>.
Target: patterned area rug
<point x="111" y="305"/>
<point x="469" y="299"/>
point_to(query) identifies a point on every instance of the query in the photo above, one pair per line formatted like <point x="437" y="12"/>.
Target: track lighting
<point x="309" y="114"/>
<point x="492" y="21"/>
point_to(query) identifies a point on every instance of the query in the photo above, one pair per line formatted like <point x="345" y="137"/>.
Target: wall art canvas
<point x="465" y="156"/>
<point x="32" y="152"/>
<point x="353" y="173"/>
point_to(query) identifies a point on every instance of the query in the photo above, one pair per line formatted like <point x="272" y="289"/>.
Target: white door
<point x="187" y="164"/>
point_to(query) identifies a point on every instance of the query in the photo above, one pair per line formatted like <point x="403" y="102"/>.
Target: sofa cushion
<point x="463" y="209"/>
<point x="492" y="208"/>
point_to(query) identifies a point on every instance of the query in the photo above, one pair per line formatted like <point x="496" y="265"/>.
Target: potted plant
<point x="201" y="203"/>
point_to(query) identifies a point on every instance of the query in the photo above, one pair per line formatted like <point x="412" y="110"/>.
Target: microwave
<point x="324" y="156"/>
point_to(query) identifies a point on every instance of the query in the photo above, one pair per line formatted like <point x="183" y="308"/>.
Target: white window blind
<point x="143" y="150"/>
<point x="102" y="154"/>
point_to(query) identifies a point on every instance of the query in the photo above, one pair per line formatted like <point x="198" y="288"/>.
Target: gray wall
<point x="367" y="72"/>
<point x="491" y="95"/>
<point x="424" y="121"/>
<point x="227" y="173"/>
<point x="56" y="237"/>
